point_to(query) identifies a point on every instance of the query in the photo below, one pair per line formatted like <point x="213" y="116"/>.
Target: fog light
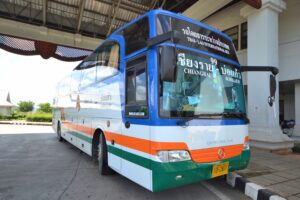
<point x="178" y="177"/>
<point x="173" y="155"/>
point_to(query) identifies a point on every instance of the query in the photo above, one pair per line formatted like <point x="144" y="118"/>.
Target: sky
<point x="31" y="77"/>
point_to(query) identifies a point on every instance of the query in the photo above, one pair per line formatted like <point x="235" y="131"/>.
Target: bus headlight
<point x="173" y="155"/>
<point x="246" y="146"/>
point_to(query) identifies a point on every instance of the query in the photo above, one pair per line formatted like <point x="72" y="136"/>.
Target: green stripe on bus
<point x="83" y="137"/>
<point x="144" y="162"/>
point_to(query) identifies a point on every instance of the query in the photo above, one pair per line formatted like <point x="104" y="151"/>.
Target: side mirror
<point x="272" y="90"/>
<point x="168" y="63"/>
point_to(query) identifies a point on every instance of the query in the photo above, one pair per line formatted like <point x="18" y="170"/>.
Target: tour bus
<point x="160" y="101"/>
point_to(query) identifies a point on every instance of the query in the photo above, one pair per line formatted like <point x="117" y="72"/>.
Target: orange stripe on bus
<point x="83" y="129"/>
<point x="151" y="147"/>
<point x="213" y="154"/>
<point x="146" y="146"/>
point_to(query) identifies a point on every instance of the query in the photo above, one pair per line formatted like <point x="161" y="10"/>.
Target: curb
<point x="252" y="190"/>
<point x="26" y="123"/>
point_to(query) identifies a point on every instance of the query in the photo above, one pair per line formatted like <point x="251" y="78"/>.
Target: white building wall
<point x="227" y="18"/>
<point x="289" y="41"/>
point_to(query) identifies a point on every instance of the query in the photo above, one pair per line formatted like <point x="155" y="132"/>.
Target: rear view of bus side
<point x="160" y="102"/>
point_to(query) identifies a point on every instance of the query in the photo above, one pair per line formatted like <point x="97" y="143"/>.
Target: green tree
<point x="45" y="107"/>
<point x="26" y="106"/>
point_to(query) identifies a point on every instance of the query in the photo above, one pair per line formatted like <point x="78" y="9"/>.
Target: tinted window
<point x="101" y="64"/>
<point x="140" y="93"/>
<point x="75" y="81"/>
<point x="244" y="35"/>
<point x="196" y="36"/>
<point x="88" y="77"/>
<point x="136" y="88"/>
<point x="130" y="79"/>
<point x="109" y="57"/>
<point x="204" y="85"/>
<point x="136" y="35"/>
<point x="234" y="34"/>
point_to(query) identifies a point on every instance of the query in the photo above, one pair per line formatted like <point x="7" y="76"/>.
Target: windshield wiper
<point x="238" y="115"/>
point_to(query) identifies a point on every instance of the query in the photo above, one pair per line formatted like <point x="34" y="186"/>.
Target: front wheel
<point x="103" y="167"/>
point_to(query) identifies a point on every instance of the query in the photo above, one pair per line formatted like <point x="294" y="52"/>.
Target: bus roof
<point x="155" y="12"/>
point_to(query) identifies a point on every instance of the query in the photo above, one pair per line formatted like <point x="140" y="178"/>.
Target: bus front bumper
<point x="169" y="175"/>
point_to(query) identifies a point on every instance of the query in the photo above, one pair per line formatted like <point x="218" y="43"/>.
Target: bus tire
<point x="58" y="132"/>
<point x="103" y="167"/>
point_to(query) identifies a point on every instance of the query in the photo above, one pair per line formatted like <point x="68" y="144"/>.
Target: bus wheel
<point x="103" y="167"/>
<point x="58" y="132"/>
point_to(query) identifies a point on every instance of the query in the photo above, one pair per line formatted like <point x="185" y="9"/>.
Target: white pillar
<point x="297" y="109"/>
<point x="264" y="130"/>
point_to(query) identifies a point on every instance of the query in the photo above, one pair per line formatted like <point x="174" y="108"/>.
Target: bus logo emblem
<point x="221" y="153"/>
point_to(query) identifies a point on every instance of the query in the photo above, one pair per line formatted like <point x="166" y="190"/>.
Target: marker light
<point x="173" y="155"/>
<point x="246" y="143"/>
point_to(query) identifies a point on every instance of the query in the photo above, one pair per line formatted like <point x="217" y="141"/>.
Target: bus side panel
<point x="136" y="155"/>
<point x="84" y="131"/>
<point x="68" y="125"/>
<point x="113" y="126"/>
<point x="107" y="115"/>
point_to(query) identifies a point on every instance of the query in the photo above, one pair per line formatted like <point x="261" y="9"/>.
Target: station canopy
<point x="91" y="18"/>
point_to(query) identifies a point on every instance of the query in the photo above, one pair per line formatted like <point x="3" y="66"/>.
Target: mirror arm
<point x="272" y="69"/>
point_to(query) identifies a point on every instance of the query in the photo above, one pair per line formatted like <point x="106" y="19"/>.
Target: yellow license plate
<point x="220" y="169"/>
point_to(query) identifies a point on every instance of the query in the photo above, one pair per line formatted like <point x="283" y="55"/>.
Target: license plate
<point x="220" y="169"/>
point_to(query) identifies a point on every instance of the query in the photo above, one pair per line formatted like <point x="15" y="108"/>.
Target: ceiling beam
<point x="33" y="32"/>
<point x="79" y="20"/>
<point x="115" y="11"/>
<point x="45" y="5"/>
<point x="126" y="7"/>
<point x="203" y="8"/>
<point x="85" y="10"/>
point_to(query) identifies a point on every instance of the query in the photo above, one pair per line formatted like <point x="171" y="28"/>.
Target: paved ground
<point x="278" y="172"/>
<point x="35" y="166"/>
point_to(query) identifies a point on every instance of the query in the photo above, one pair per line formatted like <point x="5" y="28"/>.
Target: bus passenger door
<point x="136" y="132"/>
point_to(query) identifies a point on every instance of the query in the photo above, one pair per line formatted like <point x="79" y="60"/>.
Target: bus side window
<point x="75" y="80"/>
<point x="88" y="77"/>
<point x="101" y="64"/>
<point x="108" y="57"/>
<point x="136" y="88"/>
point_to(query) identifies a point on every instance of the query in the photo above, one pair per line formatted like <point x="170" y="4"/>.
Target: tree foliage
<point x="45" y="107"/>
<point x="26" y="106"/>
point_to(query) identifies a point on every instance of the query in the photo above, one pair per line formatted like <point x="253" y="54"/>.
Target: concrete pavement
<point x="279" y="172"/>
<point x="35" y="166"/>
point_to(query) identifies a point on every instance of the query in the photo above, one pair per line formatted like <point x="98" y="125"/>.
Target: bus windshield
<point x="203" y="85"/>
